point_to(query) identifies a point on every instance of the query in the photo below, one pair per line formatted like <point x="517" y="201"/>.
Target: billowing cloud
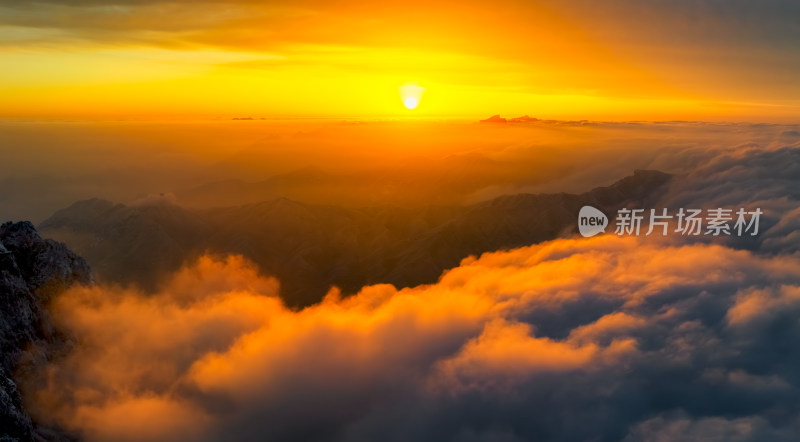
<point x="576" y="339"/>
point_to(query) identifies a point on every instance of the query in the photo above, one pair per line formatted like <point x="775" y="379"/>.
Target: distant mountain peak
<point x="494" y="119"/>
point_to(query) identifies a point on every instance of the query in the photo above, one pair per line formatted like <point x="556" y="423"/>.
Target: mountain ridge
<point x="312" y="247"/>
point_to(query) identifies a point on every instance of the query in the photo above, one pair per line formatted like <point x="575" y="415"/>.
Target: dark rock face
<point x="44" y="263"/>
<point x="15" y="424"/>
<point x="32" y="269"/>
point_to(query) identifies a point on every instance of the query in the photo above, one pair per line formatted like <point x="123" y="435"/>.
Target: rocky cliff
<point x="32" y="270"/>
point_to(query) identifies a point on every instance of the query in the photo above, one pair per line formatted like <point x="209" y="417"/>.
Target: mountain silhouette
<point x="310" y="248"/>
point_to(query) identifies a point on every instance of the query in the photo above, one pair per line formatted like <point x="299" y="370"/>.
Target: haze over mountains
<point x="410" y="164"/>
<point x="310" y="248"/>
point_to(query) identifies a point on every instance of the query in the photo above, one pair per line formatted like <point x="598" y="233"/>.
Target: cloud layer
<point x="588" y="339"/>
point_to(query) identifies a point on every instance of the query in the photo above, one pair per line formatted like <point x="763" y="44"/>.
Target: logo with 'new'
<point x="591" y="221"/>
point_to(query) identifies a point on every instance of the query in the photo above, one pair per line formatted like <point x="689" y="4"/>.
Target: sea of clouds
<point x="647" y="338"/>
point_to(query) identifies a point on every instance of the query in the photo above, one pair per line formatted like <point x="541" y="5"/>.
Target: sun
<point x="410" y="102"/>
<point x="411" y="94"/>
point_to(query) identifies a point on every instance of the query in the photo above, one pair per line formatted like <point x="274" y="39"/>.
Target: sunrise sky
<point x="283" y="220"/>
<point x="732" y="60"/>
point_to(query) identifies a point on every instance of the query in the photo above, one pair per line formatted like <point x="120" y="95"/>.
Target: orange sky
<point x="347" y="59"/>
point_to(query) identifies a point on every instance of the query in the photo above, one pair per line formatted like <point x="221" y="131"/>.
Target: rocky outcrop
<point x="32" y="270"/>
